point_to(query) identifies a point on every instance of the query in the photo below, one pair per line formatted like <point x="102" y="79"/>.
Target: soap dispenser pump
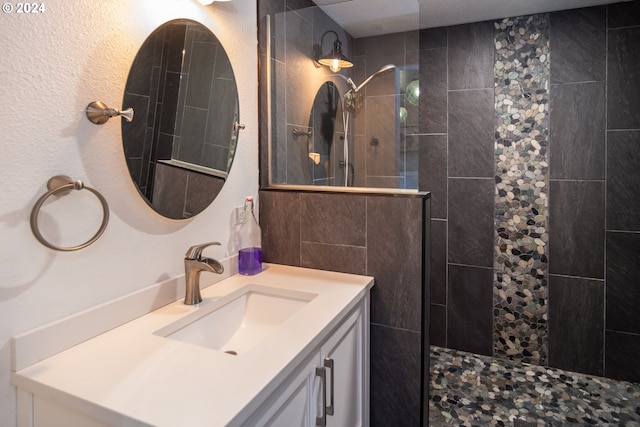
<point x="250" y="254"/>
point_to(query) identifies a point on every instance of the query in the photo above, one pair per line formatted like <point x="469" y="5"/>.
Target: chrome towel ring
<point x="60" y="185"/>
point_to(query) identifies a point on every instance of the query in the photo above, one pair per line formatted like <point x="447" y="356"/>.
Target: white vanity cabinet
<point x="331" y="387"/>
<point x="311" y="370"/>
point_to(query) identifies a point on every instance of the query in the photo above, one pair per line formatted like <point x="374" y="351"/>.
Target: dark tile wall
<point x="384" y="236"/>
<point x="577" y="190"/>
<point x="593" y="245"/>
<point x="594" y="187"/>
<point x="457" y="167"/>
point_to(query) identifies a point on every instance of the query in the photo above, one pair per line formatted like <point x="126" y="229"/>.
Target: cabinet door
<point x="343" y="357"/>
<point x="292" y="404"/>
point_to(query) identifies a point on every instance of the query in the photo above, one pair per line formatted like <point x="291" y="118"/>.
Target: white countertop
<point x="129" y="375"/>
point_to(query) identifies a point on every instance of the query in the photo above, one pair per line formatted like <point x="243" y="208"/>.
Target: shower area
<point x="352" y="127"/>
<point x="524" y="130"/>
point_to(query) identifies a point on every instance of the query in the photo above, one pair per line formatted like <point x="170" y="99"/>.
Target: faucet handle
<point x="195" y="252"/>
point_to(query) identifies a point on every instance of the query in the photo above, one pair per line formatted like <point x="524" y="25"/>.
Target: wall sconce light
<point x="335" y="59"/>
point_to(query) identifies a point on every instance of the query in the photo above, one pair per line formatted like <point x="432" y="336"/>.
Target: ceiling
<point x="364" y="18"/>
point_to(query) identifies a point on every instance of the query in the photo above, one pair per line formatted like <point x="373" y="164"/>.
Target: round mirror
<point x="180" y="145"/>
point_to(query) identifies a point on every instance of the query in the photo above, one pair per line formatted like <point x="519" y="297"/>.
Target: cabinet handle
<point x="322" y="420"/>
<point x="328" y="363"/>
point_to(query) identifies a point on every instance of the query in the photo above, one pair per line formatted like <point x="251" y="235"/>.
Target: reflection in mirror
<point x="325" y="136"/>
<point x="378" y="124"/>
<point x="180" y="147"/>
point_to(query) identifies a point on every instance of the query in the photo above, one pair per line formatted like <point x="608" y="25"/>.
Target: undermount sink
<point x="236" y="322"/>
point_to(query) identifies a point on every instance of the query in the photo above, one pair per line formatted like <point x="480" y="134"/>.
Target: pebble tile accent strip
<point x="472" y="390"/>
<point x="522" y="130"/>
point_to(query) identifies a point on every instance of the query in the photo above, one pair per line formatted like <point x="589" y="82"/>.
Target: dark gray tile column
<point x="576" y="324"/>
<point x="395" y="379"/>
<point x="623" y="180"/>
<point x="577" y="134"/>
<point x="433" y="172"/>
<point x="471" y="56"/>
<point x="471" y="130"/>
<point x="621" y="360"/>
<point x="470" y="309"/>
<point x="438" y="254"/>
<point x="623" y="79"/>
<point x="576" y="228"/>
<point x="433" y="84"/>
<point x="623" y="285"/>
<point x="471" y="222"/>
<point x="578" y="45"/>
<point x="280" y="223"/>
<point x="394" y="258"/>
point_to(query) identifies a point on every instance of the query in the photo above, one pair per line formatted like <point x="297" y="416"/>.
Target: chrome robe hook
<point x="98" y="113"/>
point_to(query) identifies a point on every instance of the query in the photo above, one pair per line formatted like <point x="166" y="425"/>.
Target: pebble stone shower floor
<point x="472" y="390"/>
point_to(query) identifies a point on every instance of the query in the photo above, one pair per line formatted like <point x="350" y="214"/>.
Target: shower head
<point x="382" y="70"/>
<point x="352" y="100"/>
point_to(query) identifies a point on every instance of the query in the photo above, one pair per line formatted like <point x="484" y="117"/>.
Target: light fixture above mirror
<point x="335" y="59"/>
<point x="208" y="2"/>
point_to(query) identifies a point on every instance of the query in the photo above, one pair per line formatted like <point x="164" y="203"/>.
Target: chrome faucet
<point x="194" y="264"/>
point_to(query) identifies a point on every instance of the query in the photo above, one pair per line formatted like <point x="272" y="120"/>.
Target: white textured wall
<point x="52" y="65"/>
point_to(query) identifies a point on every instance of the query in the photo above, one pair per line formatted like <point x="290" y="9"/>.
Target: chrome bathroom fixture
<point x="194" y="264"/>
<point x="97" y="112"/>
<point x="61" y="185"/>
<point x="353" y="98"/>
<point x="335" y="59"/>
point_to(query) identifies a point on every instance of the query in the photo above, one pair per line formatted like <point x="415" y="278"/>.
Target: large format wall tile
<point x="471" y="221"/>
<point x="395" y="385"/>
<point x="438" y="325"/>
<point x="577" y="131"/>
<point x="471" y="133"/>
<point x="623" y="180"/>
<point x="438" y="281"/>
<point x="394" y="232"/>
<point x="624" y="14"/>
<point x="576" y="324"/>
<point x="621" y="356"/>
<point x="576" y="228"/>
<point x="280" y="222"/>
<point x="433" y="38"/>
<point x="623" y="79"/>
<point x="470" y="309"/>
<point x="471" y="56"/>
<point x="578" y="45"/>
<point x="433" y="172"/>
<point x="433" y="90"/>
<point x="346" y="259"/>
<point x="333" y="218"/>
<point x="623" y="285"/>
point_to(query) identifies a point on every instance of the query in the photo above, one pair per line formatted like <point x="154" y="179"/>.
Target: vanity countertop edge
<point x="128" y="375"/>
